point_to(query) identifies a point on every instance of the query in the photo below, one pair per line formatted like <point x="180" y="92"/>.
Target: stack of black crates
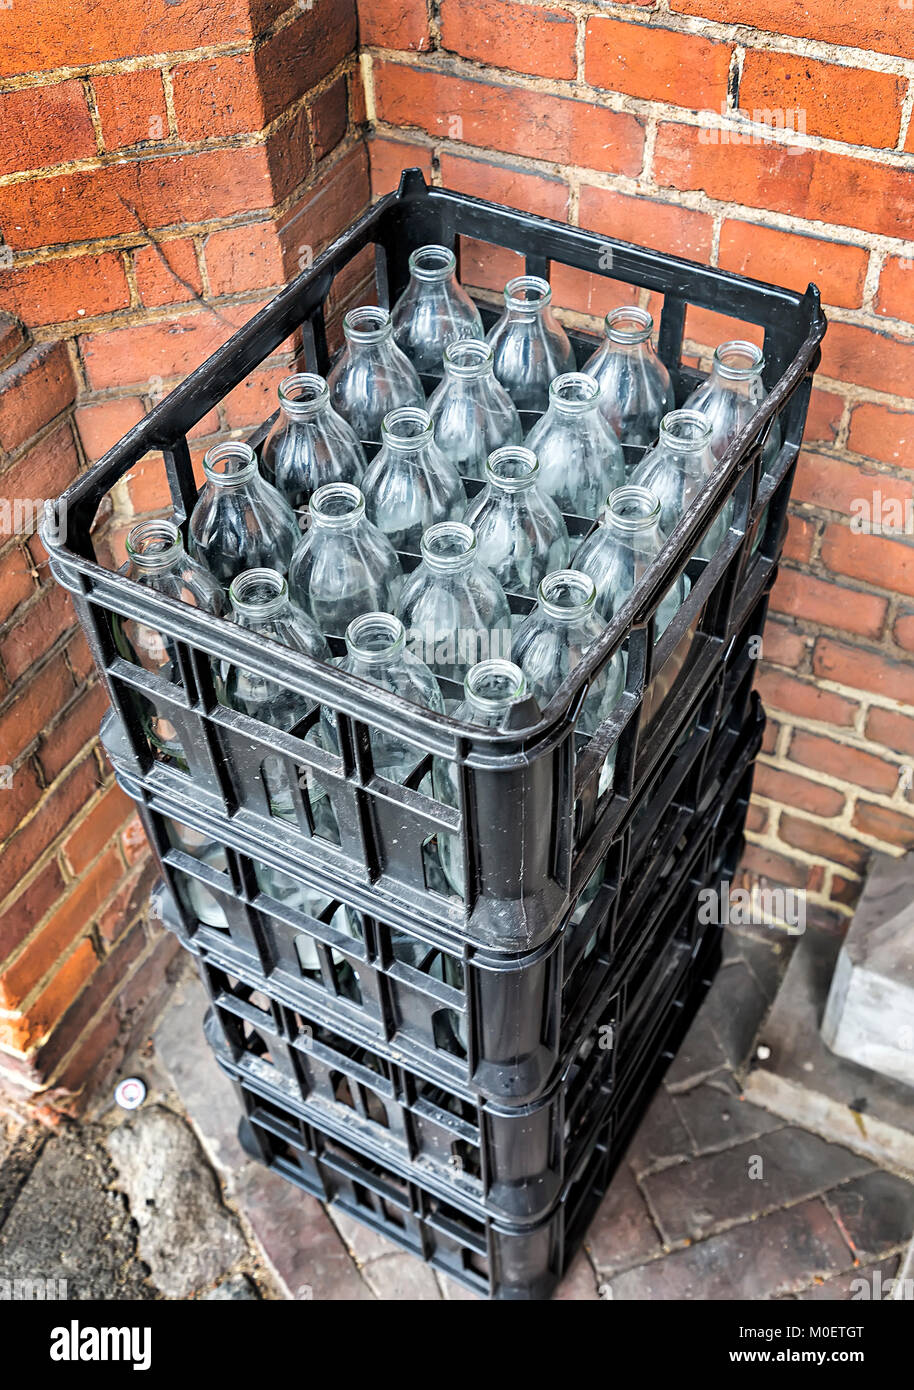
<point x="462" y="1075"/>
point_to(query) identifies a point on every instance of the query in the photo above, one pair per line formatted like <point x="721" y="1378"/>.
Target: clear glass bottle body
<point x="376" y="651"/>
<point x="552" y="640"/>
<point x="309" y="444"/>
<point x="676" y="470"/>
<point x="197" y="897"/>
<point x="471" y="411"/>
<point x="731" y="396"/>
<point x="344" y="566"/>
<point x="621" y="551"/>
<point x="371" y="376"/>
<point x="240" y="522"/>
<point x="156" y="558"/>
<point x="261" y="603"/>
<point x="433" y="310"/>
<point x="520" y="532"/>
<point x="580" y="459"/>
<point x="530" y="345"/>
<point x="490" y="690"/>
<point x="636" y="386"/>
<point x="410" y="485"/>
<point x="454" y="610"/>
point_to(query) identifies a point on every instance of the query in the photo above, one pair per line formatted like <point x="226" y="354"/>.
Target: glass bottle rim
<point x="154" y="544"/>
<point x="448" y="545"/>
<point x="494" y="684"/>
<point x="574" y="393"/>
<point x="375" y="637"/>
<point x="738" y="360"/>
<point x="407" y="428"/>
<point x="528" y="294"/>
<point x="478" y="357"/>
<point x="567" y="594"/>
<point x="258" y="593"/>
<point x="367" y="323"/>
<point x="303" y="394"/>
<point x="686" y="430"/>
<point x="432" y="263"/>
<point x="336" y="505"/>
<point x="632" y="508"/>
<point x="641" y="324"/>
<point x="512" y="468"/>
<point x="237" y="459"/>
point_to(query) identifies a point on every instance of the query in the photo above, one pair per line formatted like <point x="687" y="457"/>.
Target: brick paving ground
<point x="716" y="1199"/>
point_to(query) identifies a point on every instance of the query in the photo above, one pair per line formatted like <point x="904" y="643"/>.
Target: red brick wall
<point x="164" y="169"/>
<point x="602" y="114"/>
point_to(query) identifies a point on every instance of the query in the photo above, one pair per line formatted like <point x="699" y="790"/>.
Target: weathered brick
<point x="844" y="762"/>
<point x="760" y="863"/>
<point x="876" y="560"/>
<point x="217" y="97"/>
<point x="502" y="34"/>
<point x="42" y="472"/>
<point x="21" y="1033"/>
<point x="27" y="910"/>
<point x="57" y="809"/>
<point x="862" y="669"/>
<point x="31" y="710"/>
<point x="390" y="157"/>
<point x="883" y="28"/>
<point x="330" y="116"/>
<point x="891" y="729"/>
<point x="804" y="698"/>
<point x="131" y="108"/>
<point x="818" y="185"/>
<point x="300" y="55"/>
<point x="42" y="126"/>
<point x="800" y="538"/>
<point x="840" y="486"/>
<point x="903" y="631"/>
<point x="244" y="258"/>
<point x="508" y="119"/>
<point x="883" y="361"/>
<point x="20" y="793"/>
<point x="783" y="645"/>
<point x="879" y="432"/>
<point x="71" y="287"/>
<point x="824" y="416"/>
<point x="646" y="60"/>
<point x="881" y="823"/>
<point x="792" y="260"/>
<point x="840" y="103"/>
<point x="38" y="386"/>
<point x="895" y="297"/>
<point x="101" y="424"/>
<point x="821" y="841"/>
<point x="47" y="617"/>
<point x="788" y="787"/>
<point x="17" y="580"/>
<point x="400" y="24"/>
<point x="171" y="348"/>
<point x="805" y="596"/>
<point x="167" y="272"/>
<point x="77" y="726"/>
<point x="676" y="230"/>
<point x="96" y="828"/>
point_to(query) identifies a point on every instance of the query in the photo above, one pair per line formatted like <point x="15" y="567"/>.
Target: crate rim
<point x="77" y="572"/>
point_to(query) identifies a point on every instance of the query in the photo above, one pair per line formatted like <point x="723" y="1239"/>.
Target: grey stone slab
<point x="454" y="1292"/>
<point x="238" y="1288"/>
<point x="402" y="1278"/>
<point x="693" y="1199"/>
<point x="20" y="1146"/>
<point x="717" y="1116"/>
<point x="67" y="1224"/>
<point x="204" y="1089"/>
<point x="700" y="1056"/>
<point x="876" y="1213"/>
<point x="187" y="1237"/>
<point x="759" y="1260"/>
<point x="734" y="1008"/>
<point x="661" y="1137"/>
<point x="298" y="1239"/>
<point x="767" y="960"/>
<point x="804" y="1082"/>
<point x="622" y="1233"/>
<point x="869" y="1282"/>
<point x="363" y="1242"/>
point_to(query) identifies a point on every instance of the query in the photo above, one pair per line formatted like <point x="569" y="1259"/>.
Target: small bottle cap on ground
<point x="130" y="1093"/>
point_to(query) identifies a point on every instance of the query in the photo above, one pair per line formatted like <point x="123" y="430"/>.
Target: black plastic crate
<point x="384" y="828"/>
<point x="461" y="1014"/>
<point x="493" y="1257"/>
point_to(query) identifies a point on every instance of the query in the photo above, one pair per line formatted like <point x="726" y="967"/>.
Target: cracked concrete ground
<point x="717" y="1199"/>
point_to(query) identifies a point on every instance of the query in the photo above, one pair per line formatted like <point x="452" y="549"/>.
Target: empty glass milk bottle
<point x="156" y="558"/>
<point x="731" y="396"/>
<point x="240" y="522"/>
<point x="410" y="485"/>
<point x="200" y="900"/>
<point x="676" y="470"/>
<point x="433" y="309"/>
<point x="530" y="345"/>
<point x="371" y="376"/>
<point x="261" y="603"/>
<point x="344" y="566"/>
<point x="637" y="391"/>
<point x="552" y="641"/>
<point x="376" y="650"/>
<point x="452" y="606"/>
<point x="620" y="552"/>
<point x="471" y="411"/>
<point x="309" y="444"/>
<point x="580" y="458"/>
<point x="490" y="690"/>
<point x="520" y="532"/>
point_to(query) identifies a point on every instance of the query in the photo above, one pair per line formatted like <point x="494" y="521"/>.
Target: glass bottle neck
<point x="258" y="596"/>
<point x="491" y="688"/>
<point x="375" y="640"/>
<point x="737" y="367"/>
<point x="230" y="465"/>
<point x="304" y="396"/>
<point x="632" y="512"/>
<point x="527" y="298"/>
<point x="155" y="547"/>
<point x="408" y="431"/>
<point x="337" y="507"/>
<point x="449" y="548"/>
<point x="685" y="432"/>
<point x="567" y="596"/>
